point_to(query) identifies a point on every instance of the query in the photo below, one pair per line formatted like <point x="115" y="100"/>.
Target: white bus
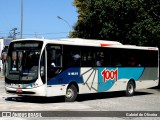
<point x="68" y="67"/>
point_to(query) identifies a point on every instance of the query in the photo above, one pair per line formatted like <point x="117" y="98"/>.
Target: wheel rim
<point x="130" y="88"/>
<point x="69" y="93"/>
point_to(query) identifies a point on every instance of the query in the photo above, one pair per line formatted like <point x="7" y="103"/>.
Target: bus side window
<point x="72" y="56"/>
<point x="54" y="60"/>
<point x="76" y="59"/>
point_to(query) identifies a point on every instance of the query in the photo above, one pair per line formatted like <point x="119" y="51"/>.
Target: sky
<point x="39" y="18"/>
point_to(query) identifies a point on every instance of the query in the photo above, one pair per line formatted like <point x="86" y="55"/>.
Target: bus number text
<point x="109" y="74"/>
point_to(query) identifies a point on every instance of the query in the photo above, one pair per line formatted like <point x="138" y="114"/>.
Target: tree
<point x="127" y="21"/>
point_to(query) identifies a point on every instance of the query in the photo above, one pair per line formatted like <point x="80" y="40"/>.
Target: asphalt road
<point x="143" y="100"/>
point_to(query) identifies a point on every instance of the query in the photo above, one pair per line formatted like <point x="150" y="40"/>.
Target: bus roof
<point x="90" y="42"/>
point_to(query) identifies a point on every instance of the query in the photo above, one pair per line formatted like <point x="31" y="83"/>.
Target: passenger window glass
<point x="54" y="60"/>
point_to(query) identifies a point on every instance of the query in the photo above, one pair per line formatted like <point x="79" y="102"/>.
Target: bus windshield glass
<point x="23" y="60"/>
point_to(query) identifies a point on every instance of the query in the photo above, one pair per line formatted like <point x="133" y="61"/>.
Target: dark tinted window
<point x="104" y="57"/>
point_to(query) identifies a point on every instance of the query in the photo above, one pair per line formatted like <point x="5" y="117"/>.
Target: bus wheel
<point x="71" y="93"/>
<point x="130" y="88"/>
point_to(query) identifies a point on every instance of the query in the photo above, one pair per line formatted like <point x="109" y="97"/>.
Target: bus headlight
<point x="34" y="85"/>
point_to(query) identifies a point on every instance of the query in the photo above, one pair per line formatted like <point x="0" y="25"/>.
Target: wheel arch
<point x="75" y="84"/>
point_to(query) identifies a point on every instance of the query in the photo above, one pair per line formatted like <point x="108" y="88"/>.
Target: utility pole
<point x="21" y="18"/>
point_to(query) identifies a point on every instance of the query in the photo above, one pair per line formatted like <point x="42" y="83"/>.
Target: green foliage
<point x="128" y="21"/>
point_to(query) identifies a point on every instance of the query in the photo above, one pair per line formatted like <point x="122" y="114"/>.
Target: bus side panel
<point x="86" y="78"/>
<point x="90" y="80"/>
<point x="115" y="79"/>
<point x="57" y="85"/>
<point x="104" y="79"/>
<point x="56" y="90"/>
<point x="101" y="79"/>
<point x="148" y="79"/>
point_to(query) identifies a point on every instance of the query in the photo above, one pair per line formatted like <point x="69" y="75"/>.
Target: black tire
<point x="71" y="93"/>
<point x="130" y="89"/>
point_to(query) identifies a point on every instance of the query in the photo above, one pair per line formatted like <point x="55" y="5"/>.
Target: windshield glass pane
<point x="23" y="60"/>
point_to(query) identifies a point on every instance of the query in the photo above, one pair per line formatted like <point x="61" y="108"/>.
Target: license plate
<point x="19" y="91"/>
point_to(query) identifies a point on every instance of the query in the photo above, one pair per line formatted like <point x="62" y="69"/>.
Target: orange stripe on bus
<point x="103" y="45"/>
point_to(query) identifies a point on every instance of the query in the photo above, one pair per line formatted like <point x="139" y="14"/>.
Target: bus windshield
<point x="23" y="60"/>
